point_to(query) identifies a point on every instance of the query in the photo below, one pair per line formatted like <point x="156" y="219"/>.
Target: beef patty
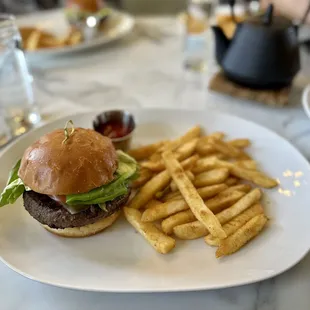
<point x="49" y="212"/>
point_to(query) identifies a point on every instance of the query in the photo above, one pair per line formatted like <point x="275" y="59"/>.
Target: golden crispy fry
<point x="152" y="203"/>
<point x="144" y="152"/>
<point x="242" y="236"/>
<point x="189" y="136"/>
<point x="211" y="137"/>
<point x="75" y="37"/>
<point x="211" y="190"/>
<point x="156" y="156"/>
<point x="247" y="164"/>
<point x="33" y="40"/>
<point x="240" y="187"/>
<point x="241" y="205"/>
<point x="158" y="240"/>
<point x="254" y="176"/>
<point x="205" y="164"/>
<point x="145" y="175"/>
<point x="174" y="187"/>
<point x="50" y="42"/>
<point x="172" y="196"/>
<point x="211" y="177"/>
<point x="231" y="181"/>
<point x="177" y="219"/>
<point x="205" y="149"/>
<point x="191" y="196"/>
<point x="237" y="222"/>
<point x="240" y="143"/>
<point x="190" y="231"/>
<point x="223" y="201"/>
<point x="156" y="184"/>
<point x="226" y="148"/>
<point x="164" y="210"/>
<point x="183" y="152"/>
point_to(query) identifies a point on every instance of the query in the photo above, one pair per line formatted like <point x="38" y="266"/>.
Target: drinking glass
<point x="18" y="111"/>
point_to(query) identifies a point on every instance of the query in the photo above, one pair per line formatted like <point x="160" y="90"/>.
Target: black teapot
<point x="264" y="52"/>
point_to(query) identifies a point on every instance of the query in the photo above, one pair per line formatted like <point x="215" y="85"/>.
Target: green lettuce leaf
<point x="126" y="171"/>
<point x="14" y="187"/>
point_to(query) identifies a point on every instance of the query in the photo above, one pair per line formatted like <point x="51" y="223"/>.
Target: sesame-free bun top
<point x="86" y="160"/>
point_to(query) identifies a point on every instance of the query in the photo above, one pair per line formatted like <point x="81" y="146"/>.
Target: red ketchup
<point x="114" y="129"/>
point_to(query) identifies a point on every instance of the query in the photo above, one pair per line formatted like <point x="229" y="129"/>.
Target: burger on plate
<point x="72" y="181"/>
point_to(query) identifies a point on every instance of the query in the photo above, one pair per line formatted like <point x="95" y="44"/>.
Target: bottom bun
<point x="87" y="230"/>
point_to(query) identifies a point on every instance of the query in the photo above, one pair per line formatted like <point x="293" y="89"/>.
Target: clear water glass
<point x="18" y="111"/>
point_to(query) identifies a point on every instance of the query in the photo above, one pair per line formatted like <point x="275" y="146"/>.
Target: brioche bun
<point x="50" y="166"/>
<point x="87" y="230"/>
<point x="91" y="6"/>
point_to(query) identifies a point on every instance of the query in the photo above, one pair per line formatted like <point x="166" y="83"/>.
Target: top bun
<point x="87" y="160"/>
<point x="91" y="6"/>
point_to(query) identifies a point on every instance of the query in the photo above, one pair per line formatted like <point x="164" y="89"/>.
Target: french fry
<point x="231" y="181"/>
<point x="223" y="201"/>
<point x="247" y="164"/>
<point x="214" y="136"/>
<point x="158" y="240"/>
<point x="145" y="176"/>
<point x="254" y="176"/>
<point x="240" y="187"/>
<point x="179" y="218"/>
<point x="174" y="187"/>
<point x="191" y="196"/>
<point x="156" y="184"/>
<point x="190" y="231"/>
<point x="183" y="152"/>
<point x="242" y="236"/>
<point x="205" y="164"/>
<point x="164" y="210"/>
<point x="152" y="203"/>
<point x="33" y="40"/>
<point x="144" y="152"/>
<point x="172" y="196"/>
<point x="75" y="37"/>
<point x="205" y="149"/>
<point x="237" y="222"/>
<point x="241" y="205"/>
<point x="211" y="177"/>
<point x="226" y="148"/>
<point x="211" y="190"/>
<point x="225" y="215"/>
<point x="240" y="143"/>
<point x="189" y="136"/>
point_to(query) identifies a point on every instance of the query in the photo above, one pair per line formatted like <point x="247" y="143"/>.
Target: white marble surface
<point x="144" y="71"/>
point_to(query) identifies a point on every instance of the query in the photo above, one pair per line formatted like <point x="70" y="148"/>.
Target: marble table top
<point x="143" y="71"/>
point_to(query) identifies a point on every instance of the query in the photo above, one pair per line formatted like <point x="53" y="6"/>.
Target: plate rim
<point x="156" y="290"/>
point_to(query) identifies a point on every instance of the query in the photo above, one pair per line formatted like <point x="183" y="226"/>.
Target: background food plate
<point x="117" y="26"/>
<point x="119" y="260"/>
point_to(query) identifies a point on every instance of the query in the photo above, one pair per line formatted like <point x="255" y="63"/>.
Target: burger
<point x="73" y="183"/>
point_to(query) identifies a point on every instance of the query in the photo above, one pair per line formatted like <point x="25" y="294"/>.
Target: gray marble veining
<point x="140" y="73"/>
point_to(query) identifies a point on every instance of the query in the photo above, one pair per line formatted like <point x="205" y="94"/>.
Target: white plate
<point x="120" y="260"/>
<point x="118" y="25"/>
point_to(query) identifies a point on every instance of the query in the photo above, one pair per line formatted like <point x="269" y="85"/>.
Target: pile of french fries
<point x="198" y="186"/>
<point x="35" y="39"/>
